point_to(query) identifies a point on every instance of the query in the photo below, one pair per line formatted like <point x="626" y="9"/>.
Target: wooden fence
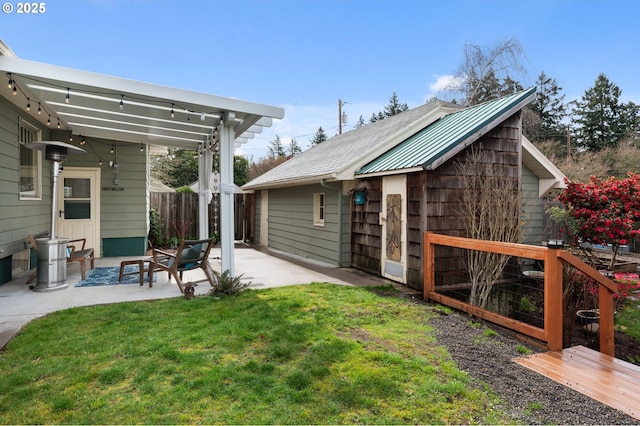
<point x="180" y="209"/>
<point x="553" y="259"/>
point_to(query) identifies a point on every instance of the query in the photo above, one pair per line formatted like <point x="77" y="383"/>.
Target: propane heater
<point x="52" y="251"/>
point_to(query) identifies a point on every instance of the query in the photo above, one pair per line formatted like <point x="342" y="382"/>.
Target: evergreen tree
<point x="360" y="122"/>
<point x="179" y="168"/>
<point x="510" y="86"/>
<point x="601" y="119"/>
<point x="632" y="120"/>
<point x="319" y="137"/>
<point x="240" y="170"/>
<point x="293" y="149"/>
<point x="395" y="106"/>
<point x="276" y="148"/>
<point x="549" y="107"/>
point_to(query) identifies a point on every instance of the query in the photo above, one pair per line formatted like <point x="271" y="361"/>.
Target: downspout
<point x="340" y="207"/>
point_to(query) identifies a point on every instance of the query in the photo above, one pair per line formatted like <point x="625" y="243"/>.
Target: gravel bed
<point x="530" y="397"/>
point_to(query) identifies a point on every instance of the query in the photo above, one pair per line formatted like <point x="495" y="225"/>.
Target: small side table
<point x="141" y="270"/>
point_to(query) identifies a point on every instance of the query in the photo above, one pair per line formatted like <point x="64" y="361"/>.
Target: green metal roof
<point x="447" y="136"/>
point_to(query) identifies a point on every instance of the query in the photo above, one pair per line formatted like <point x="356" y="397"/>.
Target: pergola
<point x="103" y="106"/>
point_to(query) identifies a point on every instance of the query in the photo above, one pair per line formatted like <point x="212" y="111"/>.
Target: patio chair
<point x="191" y="255"/>
<point x="75" y="253"/>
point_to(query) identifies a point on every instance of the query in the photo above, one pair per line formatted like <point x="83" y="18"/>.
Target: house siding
<point x="18" y="218"/>
<point x="533" y="208"/>
<point x="291" y="227"/>
<point x="433" y="204"/>
<point x="124" y="223"/>
<point x="444" y="189"/>
<point x="366" y="230"/>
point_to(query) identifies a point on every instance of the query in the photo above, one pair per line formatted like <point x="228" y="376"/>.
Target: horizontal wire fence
<point x="518" y="294"/>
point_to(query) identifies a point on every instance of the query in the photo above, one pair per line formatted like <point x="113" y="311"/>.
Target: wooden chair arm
<point x="162" y="253"/>
<point x="84" y="241"/>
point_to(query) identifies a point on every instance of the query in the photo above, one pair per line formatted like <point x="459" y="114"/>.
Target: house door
<point x="394" y="228"/>
<point x="78" y="213"/>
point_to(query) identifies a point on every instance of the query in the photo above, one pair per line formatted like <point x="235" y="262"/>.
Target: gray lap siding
<point x="291" y="227"/>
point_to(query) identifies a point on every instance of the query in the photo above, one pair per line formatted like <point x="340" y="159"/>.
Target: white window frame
<point x="29" y="133"/>
<point x="319" y="208"/>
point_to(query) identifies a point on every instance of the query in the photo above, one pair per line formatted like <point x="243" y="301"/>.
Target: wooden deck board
<point x="606" y="379"/>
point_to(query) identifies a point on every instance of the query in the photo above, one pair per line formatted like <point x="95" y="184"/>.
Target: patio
<point x="19" y="304"/>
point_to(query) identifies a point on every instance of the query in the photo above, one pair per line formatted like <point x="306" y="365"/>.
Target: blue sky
<point x="304" y="55"/>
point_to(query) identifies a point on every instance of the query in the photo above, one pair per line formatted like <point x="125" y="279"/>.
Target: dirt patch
<point x="627" y="349"/>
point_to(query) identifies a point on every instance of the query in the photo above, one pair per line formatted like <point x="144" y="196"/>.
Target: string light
<point x="83" y="140"/>
<point x="13" y="85"/>
<point x="112" y="149"/>
<point x="141" y="147"/>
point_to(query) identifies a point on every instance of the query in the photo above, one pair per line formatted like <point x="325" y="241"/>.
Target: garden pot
<point x="589" y="320"/>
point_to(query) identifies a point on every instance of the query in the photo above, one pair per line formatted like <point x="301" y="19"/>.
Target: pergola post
<point x="205" y="165"/>
<point x="227" y="137"/>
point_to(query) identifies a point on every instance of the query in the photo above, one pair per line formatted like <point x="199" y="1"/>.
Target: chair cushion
<point x="188" y="256"/>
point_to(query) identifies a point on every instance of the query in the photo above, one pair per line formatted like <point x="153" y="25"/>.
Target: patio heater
<point x="52" y="251"/>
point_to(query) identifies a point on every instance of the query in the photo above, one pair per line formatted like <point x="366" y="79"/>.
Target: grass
<point x="313" y="354"/>
<point x="629" y="318"/>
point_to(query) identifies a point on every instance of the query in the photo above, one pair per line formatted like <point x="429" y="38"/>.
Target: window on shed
<point x="318" y="209"/>
<point x="30" y="172"/>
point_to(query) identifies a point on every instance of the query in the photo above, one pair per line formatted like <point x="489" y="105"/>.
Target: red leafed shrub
<point x="603" y="211"/>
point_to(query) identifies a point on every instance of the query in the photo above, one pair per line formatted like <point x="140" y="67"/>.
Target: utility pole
<point x="342" y="117"/>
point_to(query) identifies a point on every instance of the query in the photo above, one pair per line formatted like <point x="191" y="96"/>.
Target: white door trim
<point x="394" y="269"/>
<point x="89" y="229"/>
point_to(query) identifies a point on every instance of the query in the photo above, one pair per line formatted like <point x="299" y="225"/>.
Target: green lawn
<point x="313" y="354"/>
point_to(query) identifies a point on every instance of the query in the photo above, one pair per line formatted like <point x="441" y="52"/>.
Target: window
<point x="318" y="209"/>
<point x="30" y="172"/>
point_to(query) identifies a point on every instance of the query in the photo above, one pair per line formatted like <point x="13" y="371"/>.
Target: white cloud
<point x="442" y="86"/>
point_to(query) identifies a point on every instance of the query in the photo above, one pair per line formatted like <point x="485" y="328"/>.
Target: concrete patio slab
<point x="262" y="268"/>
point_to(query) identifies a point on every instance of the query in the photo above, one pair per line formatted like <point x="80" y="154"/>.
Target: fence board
<point x="178" y="209"/>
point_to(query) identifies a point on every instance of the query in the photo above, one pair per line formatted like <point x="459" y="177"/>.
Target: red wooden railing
<point x="553" y="307"/>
